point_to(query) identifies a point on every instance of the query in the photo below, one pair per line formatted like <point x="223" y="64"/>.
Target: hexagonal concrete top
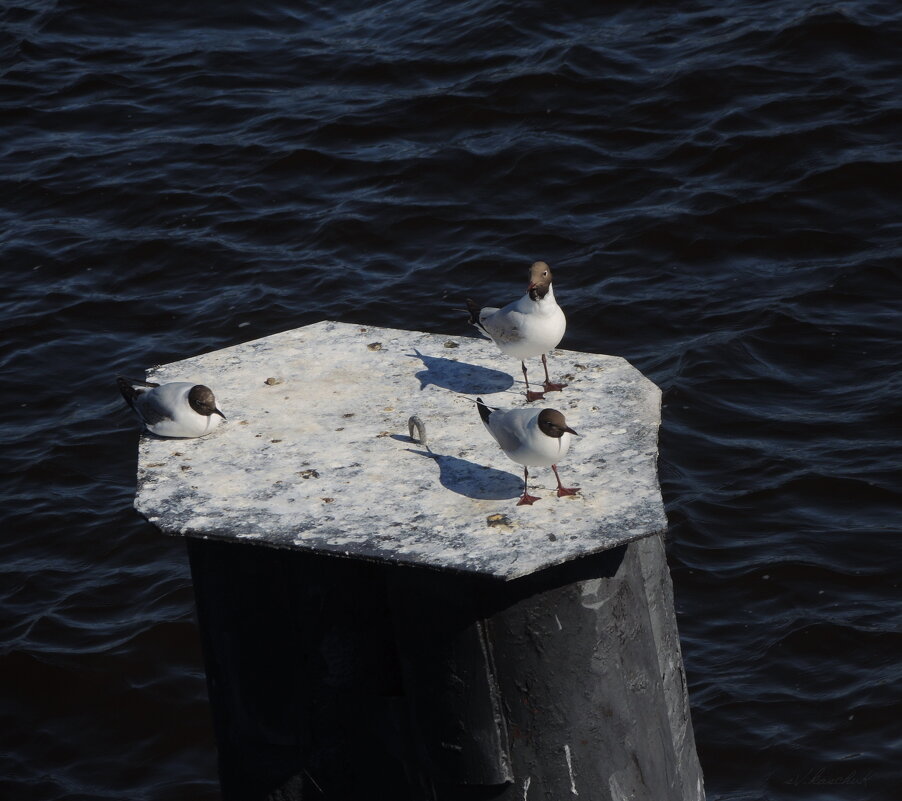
<point x="316" y="454"/>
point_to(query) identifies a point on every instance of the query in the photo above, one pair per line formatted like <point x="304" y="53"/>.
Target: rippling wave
<point x="718" y="189"/>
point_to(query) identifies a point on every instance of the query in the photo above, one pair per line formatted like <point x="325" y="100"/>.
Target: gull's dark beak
<point x="216" y="411"/>
<point x="570" y="431"/>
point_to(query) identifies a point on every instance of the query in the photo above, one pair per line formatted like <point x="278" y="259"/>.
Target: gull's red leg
<point x="530" y="396"/>
<point x="561" y="489"/>
<point x="549" y="386"/>
<point x="527" y="499"/>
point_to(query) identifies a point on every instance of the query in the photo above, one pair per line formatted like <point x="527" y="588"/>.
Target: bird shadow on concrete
<point x="460" y="376"/>
<point x="470" y="479"/>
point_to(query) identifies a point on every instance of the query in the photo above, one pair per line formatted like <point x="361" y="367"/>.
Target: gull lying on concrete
<point x="177" y="409"/>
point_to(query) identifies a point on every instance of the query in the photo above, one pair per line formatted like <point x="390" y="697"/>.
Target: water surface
<point x="717" y="189"/>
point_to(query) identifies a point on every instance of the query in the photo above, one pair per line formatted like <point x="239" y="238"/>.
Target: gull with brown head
<point x="176" y="409"/>
<point x="531" y="437"/>
<point x="525" y="328"/>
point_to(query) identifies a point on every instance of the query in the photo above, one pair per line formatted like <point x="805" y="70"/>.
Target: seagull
<point x="177" y="409"/>
<point x="531" y="437"/>
<point x="525" y="328"/>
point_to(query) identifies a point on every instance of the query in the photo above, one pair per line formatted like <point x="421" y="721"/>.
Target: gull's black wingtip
<point x="484" y="411"/>
<point x="126" y="387"/>
<point x="474" y="310"/>
<point x="129" y="387"/>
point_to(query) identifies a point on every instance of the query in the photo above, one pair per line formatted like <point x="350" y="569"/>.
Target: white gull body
<point x="171" y="410"/>
<point x="525" y="328"/>
<point x="531" y="437"/>
<point x="517" y="432"/>
<point x="528" y="327"/>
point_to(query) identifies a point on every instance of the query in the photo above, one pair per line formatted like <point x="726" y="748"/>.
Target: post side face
<point x="319" y="458"/>
<point x="590" y="714"/>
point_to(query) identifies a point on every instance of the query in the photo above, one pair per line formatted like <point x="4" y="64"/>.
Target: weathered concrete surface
<point x="320" y="458"/>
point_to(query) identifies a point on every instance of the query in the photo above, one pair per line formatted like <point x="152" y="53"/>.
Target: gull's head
<point x="202" y="400"/>
<point x="539" y="280"/>
<point x="553" y="424"/>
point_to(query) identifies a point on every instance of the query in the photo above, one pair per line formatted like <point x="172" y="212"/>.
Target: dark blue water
<point x="718" y="191"/>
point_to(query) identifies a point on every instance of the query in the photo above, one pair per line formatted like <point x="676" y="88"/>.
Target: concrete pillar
<point x="463" y="647"/>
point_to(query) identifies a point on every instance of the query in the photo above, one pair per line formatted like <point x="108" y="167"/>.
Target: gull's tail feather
<point x="484" y="411"/>
<point x="132" y="387"/>
<point x="475" y="310"/>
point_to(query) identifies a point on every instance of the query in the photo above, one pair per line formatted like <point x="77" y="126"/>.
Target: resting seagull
<point x="528" y="327"/>
<point x="177" y="409"/>
<point x="531" y="437"/>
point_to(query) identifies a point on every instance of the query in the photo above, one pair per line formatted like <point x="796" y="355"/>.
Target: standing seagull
<point x="178" y="409"/>
<point x="530" y="437"/>
<point x="527" y="327"/>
